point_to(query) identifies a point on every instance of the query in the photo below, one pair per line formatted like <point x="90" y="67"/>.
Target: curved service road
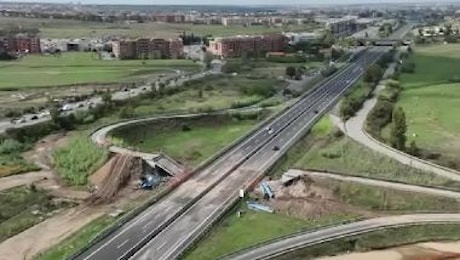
<point x="305" y="239"/>
<point x="354" y="129"/>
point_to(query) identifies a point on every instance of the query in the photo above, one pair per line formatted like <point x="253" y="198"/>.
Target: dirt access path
<point x="47" y="233"/>
<point x="24" y="179"/>
<point x="53" y="230"/>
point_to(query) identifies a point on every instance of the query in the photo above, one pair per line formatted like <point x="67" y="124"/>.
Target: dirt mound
<point x="305" y="199"/>
<point x="302" y="188"/>
<point x="113" y="176"/>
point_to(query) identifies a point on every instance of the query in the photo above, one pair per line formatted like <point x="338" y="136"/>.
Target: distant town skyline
<point x="233" y="2"/>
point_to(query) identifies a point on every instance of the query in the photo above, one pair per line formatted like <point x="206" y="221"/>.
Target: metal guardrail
<point x="353" y="234"/>
<point x="291" y="235"/>
<point x="127" y="217"/>
<point x="233" y="199"/>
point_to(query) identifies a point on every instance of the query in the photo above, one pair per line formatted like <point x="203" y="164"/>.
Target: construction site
<point x="123" y="182"/>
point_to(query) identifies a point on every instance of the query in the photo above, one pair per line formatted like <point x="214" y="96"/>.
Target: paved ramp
<point x="167" y="164"/>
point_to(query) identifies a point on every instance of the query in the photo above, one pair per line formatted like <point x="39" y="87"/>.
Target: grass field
<point x="74" y="29"/>
<point x="78" y="159"/>
<point x="234" y="233"/>
<point x="346" y="156"/>
<point x="22" y="208"/>
<point x="216" y="93"/>
<point x="386" y="200"/>
<point x="322" y="150"/>
<point x="203" y="138"/>
<point x="79" y="67"/>
<point x="431" y="102"/>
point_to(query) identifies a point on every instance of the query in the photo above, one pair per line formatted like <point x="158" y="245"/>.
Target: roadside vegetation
<point x="380" y="239"/>
<point x="343" y="155"/>
<point x="188" y="140"/>
<point x="70" y="245"/>
<point x="11" y="160"/>
<point x="233" y="233"/>
<point x="387" y="201"/>
<point x="354" y="99"/>
<point x="327" y="149"/>
<point x="24" y="207"/>
<point x="78" y="159"/>
<point x="210" y="94"/>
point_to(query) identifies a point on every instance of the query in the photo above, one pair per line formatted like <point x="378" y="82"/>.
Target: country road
<point x="379" y="183"/>
<point x="354" y="129"/>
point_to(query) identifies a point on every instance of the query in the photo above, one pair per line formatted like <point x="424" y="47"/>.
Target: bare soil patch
<point x="306" y="199"/>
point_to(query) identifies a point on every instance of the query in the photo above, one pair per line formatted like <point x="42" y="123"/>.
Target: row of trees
<point x="12" y="31"/>
<point x="189" y="39"/>
<point x="355" y="98"/>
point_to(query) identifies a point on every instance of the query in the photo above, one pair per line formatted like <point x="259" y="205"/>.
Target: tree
<point x="107" y="98"/>
<point x="398" y="129"/>
<point x="413" y="149"/>
<point x="207" y="58"/>
<point x="290" y="71"/>
<point x="373" y="74"/>
<point x="127" y="112"/>
<point x="54" y="113"/>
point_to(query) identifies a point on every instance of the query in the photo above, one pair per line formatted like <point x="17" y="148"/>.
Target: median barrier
<point x="124" y="219"/>
<point x="226" y="206"/>
<point x="164" y="192"/>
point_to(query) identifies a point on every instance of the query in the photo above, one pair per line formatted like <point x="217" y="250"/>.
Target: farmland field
<point x="431" y="100"/>
<point x="81" y="67"/>
<point x="74" y="29"/>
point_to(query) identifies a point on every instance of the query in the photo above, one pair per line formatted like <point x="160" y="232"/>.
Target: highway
<point x="155" y="221"/>
<point x="301" y="240"/>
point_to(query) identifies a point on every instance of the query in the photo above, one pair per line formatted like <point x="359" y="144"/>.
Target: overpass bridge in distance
<point x="383" y="41"/>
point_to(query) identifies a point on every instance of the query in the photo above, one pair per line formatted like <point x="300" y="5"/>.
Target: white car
<point x="44" y="114"/>
<point x="67" y="107"/>
<point x="269" y="130"/>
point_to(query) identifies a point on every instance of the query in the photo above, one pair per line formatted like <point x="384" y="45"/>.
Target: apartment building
<point x="340" y="27"/>
<point x="238" y="20"/>
<point x="148" y="48"/>
<point x="238" y="45"/>
<point x="20" y="43"/>
<point x="169" y="18"/>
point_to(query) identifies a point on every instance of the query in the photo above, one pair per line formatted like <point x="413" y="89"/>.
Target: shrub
<point x="379" y="117"/>
<point x="408" y="67"/>
<point x="10" y="146"/>
<point x="78" y="159"/>
<point x="186" y="128"/>
<point x="12" y="113"/>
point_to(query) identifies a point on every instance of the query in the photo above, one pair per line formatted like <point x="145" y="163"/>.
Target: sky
<point x="228" y="2"/>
